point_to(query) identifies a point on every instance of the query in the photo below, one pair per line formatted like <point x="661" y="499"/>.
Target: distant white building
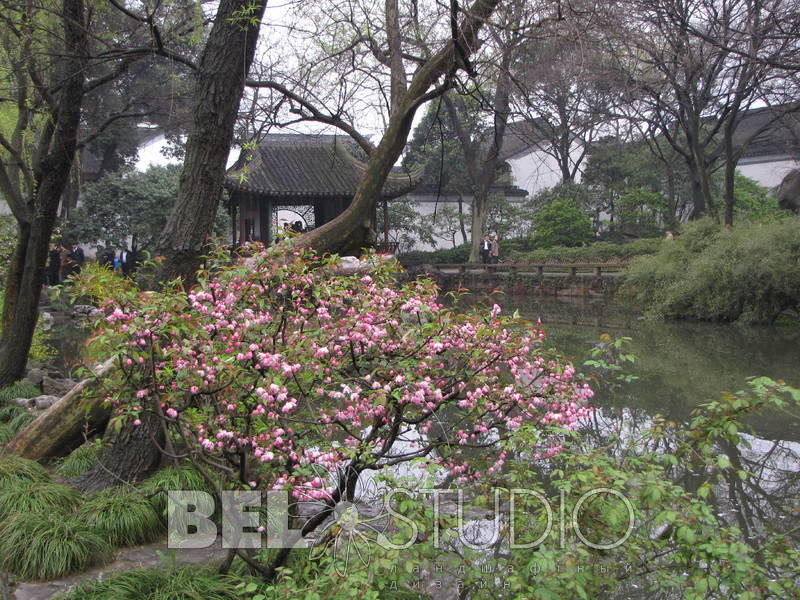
<point x="440" y="208"/>
<point x="533" y="165"/>
<point x="773" y="146"/>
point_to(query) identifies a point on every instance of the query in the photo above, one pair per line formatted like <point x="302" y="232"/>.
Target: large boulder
<point x="44" y="402"/>
<point x="35" y="376"/>
<point x="56" y="387"/>
<point x="788" y="192"/>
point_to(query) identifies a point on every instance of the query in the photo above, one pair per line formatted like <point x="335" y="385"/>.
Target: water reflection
<point x="678" y="367"/>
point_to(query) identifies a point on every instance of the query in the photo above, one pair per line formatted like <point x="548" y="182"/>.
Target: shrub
<point x="179" y="583"/>
<point x="264" y="344"/>
<point x="49" y="545"/>
<point x="79" y="460"/>
<point x="562" y="223"/>
<point x="27" y="496"/>
<point x="459" y="254"/>
<point x="749" y="273"/>
<point x="597" y="252"/>
<point x="122" y="516"/>
<point x="14" y="468"/>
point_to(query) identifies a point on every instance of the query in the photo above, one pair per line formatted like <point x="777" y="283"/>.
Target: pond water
<point x="678" y="365"/>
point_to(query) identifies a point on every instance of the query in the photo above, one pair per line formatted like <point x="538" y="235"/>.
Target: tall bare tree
<point x="693" y="76"/>
<point x="364" y="52"/>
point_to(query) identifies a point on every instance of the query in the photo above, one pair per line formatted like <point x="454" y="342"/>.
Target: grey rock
<point x="35" y="376"/>
<point x="56" y="387"/>
<point x="43" y="402"/>
<point x="84" y="311"/>
<point x="46" y="321"/>
<point x="26" y="402"/>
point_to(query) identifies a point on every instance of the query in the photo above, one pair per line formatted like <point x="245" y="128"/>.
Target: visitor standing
<point x="127" y="262"/>
<point x="76" y="254"/>
<point x="54" y="265"/>
<point x="486" y="247"/>
<point x="494" y="252"/>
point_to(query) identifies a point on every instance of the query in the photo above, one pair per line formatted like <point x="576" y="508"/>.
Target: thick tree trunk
<point x="479" y="214"/>
<point x="63" y="427"/>
<point x="698" y="199"/>
<point x="133" y="454"/>
<point x="37" y="217"/>
<point x="218" y="90"/>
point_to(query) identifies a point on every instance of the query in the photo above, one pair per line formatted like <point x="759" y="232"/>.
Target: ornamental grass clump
<point x="280" y="367"/>
<point x="47" y="545"/>
<point x="26" y="496"/>
<point x="79" y="460"/>
<point x="175" y="478"/>
<point x="14" y="469"/>
<point x="122" y="516"/>
<point x="13" y="418"/>
<point x="18" y="389"/>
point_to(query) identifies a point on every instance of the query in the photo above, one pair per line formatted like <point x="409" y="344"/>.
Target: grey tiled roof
<point x="780" y="135"/>
<point x="309" y="167"/>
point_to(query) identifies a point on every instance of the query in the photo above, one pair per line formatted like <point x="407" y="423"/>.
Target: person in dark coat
<point x="127" y="262"/>
<point x="54" y="265"/>
<point x="486" y="248"/>
<point x="76" y="254"/>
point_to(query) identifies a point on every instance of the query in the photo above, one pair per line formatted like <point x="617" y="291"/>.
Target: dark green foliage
<point x="133" y="205"/>
<point x="182" y="477"/>
<point x="10" y="411"/>
<point x="523" y="250"/>
<point x="598" y="252"/>
<point x="749" y="274"/>
<point x="49" y="545"/>
<point x="562" y="223"/>
<point x="180" y="583"/>
<point x="19" y="389"/>
<point x="79" y="460"/>
<point x="122" y="516"/>
<point x="460" y="254"/>
<point x="14" y="469"/>
<point x="25" y="496"/>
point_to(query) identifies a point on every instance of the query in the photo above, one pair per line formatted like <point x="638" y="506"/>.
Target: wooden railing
<point x="538" y="269"/>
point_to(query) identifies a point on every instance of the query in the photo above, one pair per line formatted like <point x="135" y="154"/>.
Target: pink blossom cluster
<point x="284" y="366"/>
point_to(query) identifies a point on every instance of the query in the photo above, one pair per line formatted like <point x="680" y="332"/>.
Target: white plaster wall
<point x="768" y="173"/>
<point x="536" y="170"/>
<point x="425" y="207"/>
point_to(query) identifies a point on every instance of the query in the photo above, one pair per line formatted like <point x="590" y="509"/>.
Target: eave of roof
<point x="316" y="167"/>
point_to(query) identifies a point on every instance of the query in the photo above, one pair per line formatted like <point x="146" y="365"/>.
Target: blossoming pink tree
<point x="275" y="367"/>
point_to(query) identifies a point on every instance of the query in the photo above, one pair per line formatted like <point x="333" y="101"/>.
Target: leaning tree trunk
<point x="65" y="425"/>
<point x="353" y="229"/>
<point x="36" y="216"/>
<point x="218" y="90"/>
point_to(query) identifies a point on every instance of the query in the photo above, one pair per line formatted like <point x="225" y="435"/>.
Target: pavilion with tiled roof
<point x="315" y="176"/>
